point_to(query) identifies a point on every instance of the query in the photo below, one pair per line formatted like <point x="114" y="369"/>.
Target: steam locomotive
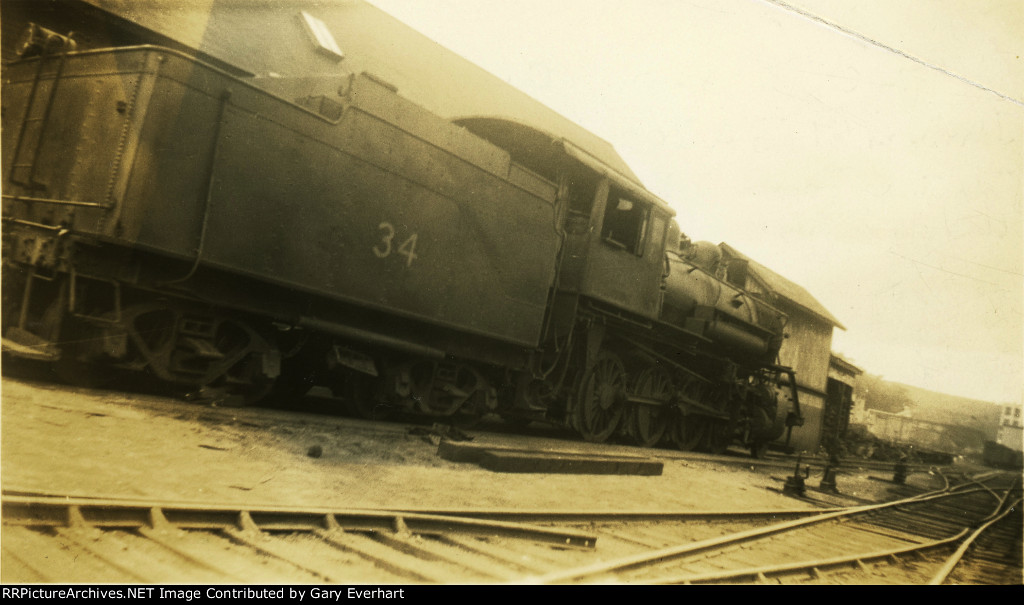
<point x="164" y="215"/>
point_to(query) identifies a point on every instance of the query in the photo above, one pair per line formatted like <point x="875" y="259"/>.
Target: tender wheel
<point x="687" y="431"/>
<point x="246" y="384"/>
<point x="258" y="392"/>
<point x="599" y="400"/>
<point x="648" y="423"/>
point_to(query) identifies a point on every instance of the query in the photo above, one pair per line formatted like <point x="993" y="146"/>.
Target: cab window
<point x="625" y="222"/>
<point x="656" y="236"/>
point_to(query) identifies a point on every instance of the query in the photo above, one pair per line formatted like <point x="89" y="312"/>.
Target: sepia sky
<point x="870" y="151"/>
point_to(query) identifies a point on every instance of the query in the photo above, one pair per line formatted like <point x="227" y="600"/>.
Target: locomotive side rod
<point x="676" y="365"/>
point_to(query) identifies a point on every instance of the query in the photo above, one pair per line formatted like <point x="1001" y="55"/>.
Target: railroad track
<point x="54" y="539"/>
<point x="914" y="540"/>
<point x="910" y="541"/>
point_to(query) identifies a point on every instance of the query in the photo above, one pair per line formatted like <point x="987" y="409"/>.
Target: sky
<point x="870" y="151"/>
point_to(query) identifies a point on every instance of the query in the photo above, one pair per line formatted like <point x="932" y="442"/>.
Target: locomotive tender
<point x="163" y="215"/>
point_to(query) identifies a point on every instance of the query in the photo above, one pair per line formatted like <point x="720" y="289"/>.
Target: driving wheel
<point x="648" y="423"/>
<point x="599" y="401"/>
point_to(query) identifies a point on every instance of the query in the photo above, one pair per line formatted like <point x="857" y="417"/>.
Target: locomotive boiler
<point x="166" y="216"/>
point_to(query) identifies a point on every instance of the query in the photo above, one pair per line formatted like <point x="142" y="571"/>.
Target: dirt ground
<point x="78" y="442"/>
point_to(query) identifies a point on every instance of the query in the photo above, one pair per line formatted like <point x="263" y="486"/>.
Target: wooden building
<point x="842" y="375"/>
<point x="807" y="347"/>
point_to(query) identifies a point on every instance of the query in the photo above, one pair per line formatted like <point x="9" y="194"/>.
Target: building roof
<point x="782" y="287"/>
<point x="845" y="366"/>
<point x="269" y="39"/>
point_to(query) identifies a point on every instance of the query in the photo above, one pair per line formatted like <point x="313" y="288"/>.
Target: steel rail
<point x="125" y="514"/>
<point x="671" y="552"/>
<point x="979" y="482"/>
<point x="590" y="516"/>
<point x="490" y="514"/>
<point x="584" y="516"/>
<point x="814" y="566"/>
<point x="954" y="559"/>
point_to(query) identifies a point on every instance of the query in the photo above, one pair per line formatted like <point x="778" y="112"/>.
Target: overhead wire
<point x="944" y="270"/>
<point x="891" y="49"/>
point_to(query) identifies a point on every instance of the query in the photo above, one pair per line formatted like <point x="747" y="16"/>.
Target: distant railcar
<point x="998" y="455"/>
<point x="162" y="215"/>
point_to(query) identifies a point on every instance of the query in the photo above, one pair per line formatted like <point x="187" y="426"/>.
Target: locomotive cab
<point x="626" y="261"/>
<point x="614" y="229"/>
